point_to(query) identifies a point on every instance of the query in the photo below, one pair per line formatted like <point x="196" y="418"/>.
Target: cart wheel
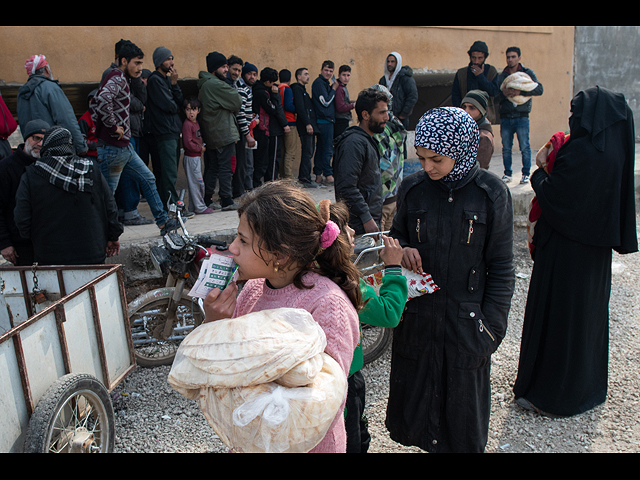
<point x="148" y="314"/>
<point x="375" y="341"/>
<point x="75" y="415"/>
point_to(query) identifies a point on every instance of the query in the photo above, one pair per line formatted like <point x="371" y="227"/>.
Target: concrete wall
<point x="606" y="56"/>
<point x="80" y="54"/>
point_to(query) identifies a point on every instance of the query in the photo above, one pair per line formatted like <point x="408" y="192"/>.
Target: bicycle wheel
<point x="148" y="315"/>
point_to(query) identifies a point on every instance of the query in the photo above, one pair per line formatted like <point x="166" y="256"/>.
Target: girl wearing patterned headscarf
<point x="454" y="221"/>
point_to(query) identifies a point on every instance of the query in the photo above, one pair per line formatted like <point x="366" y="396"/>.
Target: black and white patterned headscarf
<point x="451" y="132"/>
<point x="59" y="163"/>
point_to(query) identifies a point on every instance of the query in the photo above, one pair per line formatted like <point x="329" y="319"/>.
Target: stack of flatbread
<point x="519" y="81"/>
<point x="262" y="380"/>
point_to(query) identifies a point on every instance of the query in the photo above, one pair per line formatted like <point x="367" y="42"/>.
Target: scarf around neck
<point x="451" y="132"/>
<point x="60" y="165"/>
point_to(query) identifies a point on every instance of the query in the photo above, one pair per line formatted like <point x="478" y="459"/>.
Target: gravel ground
<point x="152" y="417"/>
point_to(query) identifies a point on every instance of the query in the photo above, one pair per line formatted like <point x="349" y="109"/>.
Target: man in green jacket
<point x="220" y="103"/>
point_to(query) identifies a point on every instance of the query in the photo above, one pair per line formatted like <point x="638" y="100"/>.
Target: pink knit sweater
<point x="333" y="311"/>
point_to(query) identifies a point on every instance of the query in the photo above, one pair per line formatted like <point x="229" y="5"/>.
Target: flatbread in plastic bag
<point x="270" y="418"/>
<point x="263" y="381"/>
<point x="519" y="81"/>
<point x="252" y="349"/>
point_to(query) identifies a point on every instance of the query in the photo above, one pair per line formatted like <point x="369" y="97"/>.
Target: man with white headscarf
<point x="398" y="78"/>
<point x="42" y="98"/>
<point x="455" y="222"/>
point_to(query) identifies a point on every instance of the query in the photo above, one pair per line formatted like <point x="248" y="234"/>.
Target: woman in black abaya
<point x="588" y="210"/>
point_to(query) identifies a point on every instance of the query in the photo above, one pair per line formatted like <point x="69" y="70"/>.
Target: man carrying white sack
<point x="514" y="117"/>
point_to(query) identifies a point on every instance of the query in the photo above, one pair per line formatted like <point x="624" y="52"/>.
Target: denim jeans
<point x="124" y="161"/>
<point x="519" y="127"/>
<point x="324" y="150"/>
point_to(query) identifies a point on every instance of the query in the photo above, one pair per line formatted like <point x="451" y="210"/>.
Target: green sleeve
<point x="385" y="309"/>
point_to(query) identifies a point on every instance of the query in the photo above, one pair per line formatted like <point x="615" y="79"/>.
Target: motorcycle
<point x="162" y="318"/>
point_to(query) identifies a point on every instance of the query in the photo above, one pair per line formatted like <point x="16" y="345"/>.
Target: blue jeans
<point x="519" y="127"/>
<point x="324" y="150"/>
<point x="117" y="161"/>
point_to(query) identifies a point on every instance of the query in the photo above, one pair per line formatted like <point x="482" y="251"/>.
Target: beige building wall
<point x="80" y="54"/>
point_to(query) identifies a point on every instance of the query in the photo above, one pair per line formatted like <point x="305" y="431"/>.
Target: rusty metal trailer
<point x="65" y="344"/>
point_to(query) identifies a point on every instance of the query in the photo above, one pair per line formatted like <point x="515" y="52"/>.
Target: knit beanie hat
<point x="479" y="46"/>
<point x="34" y="126"/>
<point x="478" y="99"/>
<point x="160" y="54"/>
<point x="214" y="61"/>
<point x="249" y="67"/>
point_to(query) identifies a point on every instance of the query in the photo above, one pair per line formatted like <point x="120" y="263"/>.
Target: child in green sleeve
<point x="380" y="310"/>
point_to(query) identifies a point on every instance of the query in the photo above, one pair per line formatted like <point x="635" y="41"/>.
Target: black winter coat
<point x="404" y="91"/>
<point x="164" y="103"/>
<point x="439" y="397"/>
<point x="66" y="228"/>
<point x="358" y="180"/>
<point x="271" y="105"/>
<point x="11" y="170"/>
<point x="305" y="114"/>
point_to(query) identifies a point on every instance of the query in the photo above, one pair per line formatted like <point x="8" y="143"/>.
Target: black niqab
<point x="590" y="195"/>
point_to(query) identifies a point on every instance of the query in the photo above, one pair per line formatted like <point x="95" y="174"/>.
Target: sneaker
<point x="206" y="211"/>
<point x="215" y="206"/>
<point x="231" y="206"/>
<point x="525" y="179"/>
<point x="188" y="214"/>
<point x="228" y="204"/>
<point x="139" y="220"/>
<point x="312" y="184"/>
<point x="506" y="178"/>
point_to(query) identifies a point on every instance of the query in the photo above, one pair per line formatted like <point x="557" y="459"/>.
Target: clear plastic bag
<point x="270" y="418"/>
<point x="249" y="350"/>
<point x="231" y="367"/>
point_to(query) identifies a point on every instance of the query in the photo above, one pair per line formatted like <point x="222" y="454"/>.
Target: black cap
<point x="34" y="126"/>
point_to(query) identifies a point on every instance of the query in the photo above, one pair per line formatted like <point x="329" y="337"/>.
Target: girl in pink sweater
<point x="291" y="255"/>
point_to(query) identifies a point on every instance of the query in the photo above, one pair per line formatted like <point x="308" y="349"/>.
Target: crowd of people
<point x="453" y="219"/>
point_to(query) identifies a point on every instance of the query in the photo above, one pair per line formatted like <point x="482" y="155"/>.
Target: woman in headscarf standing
<point x="588" y="210"/>
<point x="455" y="221"/>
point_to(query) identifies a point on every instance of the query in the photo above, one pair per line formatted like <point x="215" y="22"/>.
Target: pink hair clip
<point x="329" y="235"/>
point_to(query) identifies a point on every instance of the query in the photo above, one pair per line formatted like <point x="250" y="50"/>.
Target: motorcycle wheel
<point x="148" y="312"/>
<point x="375" y="341"/>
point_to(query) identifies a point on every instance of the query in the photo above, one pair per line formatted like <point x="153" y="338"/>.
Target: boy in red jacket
<point x="193" y="150"/>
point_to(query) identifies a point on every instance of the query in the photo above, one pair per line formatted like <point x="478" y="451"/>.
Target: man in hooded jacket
<point x="356" y="163"/>
<point x="42" y="98"/>
<point x="399" y="80"/>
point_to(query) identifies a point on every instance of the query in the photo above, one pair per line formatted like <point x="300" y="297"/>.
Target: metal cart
<point x="65" y="344"/>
